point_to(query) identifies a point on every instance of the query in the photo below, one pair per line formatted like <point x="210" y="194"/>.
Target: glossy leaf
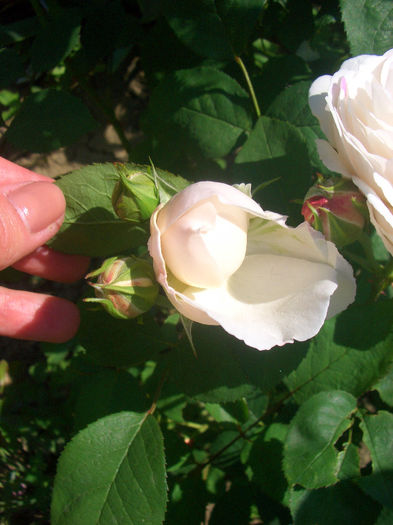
<point x="224" y="369"/>
<point x="49" y="119"/>
<point x="11" y="67"/>
<point x="112" y="472"/>
<point x="347" y="354"/>
<point x="275" y="150"/>
<point x="368" y="25"/>
<point x="348" y="462"/>
<point x="265" y="462"/>
<point x="90" y="226"/>
<point x="47" y="52"/>
<point x="291" y="105"/>
<point x="310" y="458"/>
<point x="239" y="18"/>
<point x="119" y="342"/>
<point x="202" y="108"/>
<point x="199" y="26"/>
<point x="385" y="387"/>
<point x="340" y="504"/>
<point x="378" y="437"/>
<point x="105" y="392"/>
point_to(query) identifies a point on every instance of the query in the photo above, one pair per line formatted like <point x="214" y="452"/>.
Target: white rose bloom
<point x="355" y="111"/>
<point x="223" y="260"/>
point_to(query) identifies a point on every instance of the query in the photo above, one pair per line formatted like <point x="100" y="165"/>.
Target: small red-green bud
<point x="135" y="195"/>
<point x="336" y="208"/>
<point x="126" y="287"/>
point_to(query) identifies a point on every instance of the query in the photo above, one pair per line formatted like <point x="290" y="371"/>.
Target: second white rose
<point x="223" y="260"/>
<point x="355" y="111"/>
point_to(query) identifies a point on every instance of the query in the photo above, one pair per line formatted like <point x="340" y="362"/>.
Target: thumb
<point x="30" y="214"/>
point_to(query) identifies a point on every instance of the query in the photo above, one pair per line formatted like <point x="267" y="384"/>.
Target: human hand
<point x="31" y="212"/>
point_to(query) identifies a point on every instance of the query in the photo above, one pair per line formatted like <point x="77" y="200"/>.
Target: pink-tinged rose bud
<point x="125" y="287"/>
<point x="336" y="208"/>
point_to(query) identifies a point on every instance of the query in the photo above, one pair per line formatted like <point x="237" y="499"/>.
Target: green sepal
<point x="135" y="196"/>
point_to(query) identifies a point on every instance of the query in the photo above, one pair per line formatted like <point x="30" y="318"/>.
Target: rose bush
<point x="222" y="259"/>
<point x="355" y="111"/>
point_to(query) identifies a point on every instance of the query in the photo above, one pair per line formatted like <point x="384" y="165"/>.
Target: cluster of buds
<point x="336" y="208"/>
<point x="126" y="287"/>
<point x="135" y="195"/>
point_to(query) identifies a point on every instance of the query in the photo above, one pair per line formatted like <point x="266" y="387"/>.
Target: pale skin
<point x="31" y="212"/>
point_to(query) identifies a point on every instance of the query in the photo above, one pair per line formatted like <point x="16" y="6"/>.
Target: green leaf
<point x="239" y="18"/>
<point x="385" y="387"/>
<point x="11" y="100"/>
<point x="291" y="105"/>
<point x="225" y="369"/>
<point x="368" y="25"/>
<point x="119" y="342"/>
<point x="351" y="352"/>
<point x="171" y="403"/>
<point x="219" y="413"/>
<point x="47" y="51"/>
<point x="112" y="472"/>
<point x="106" y="392"/>
<point x="159" y="61"/>
<point x="166" y="183"/>
<point x="11" y="67"/>
<point x="198" y="25"/>
<point x="275" y="149"/>
<point x="90" y="226"/>
<point x="265" y="462"/>
<point x="378" y="437"/>
<point x="19" y="31"/>
<point x="49" y="119"/>
<point x="348" y="461"/>
<point x="188" y="500"/>
<point x="226" y="441"/>
<point x="200" y="107"/>
<point x="279" y="73"/>
<point x="233" y="507"/>
<point x="341" y="504"/>
<point x="116" y="29"/>
<point x="385" y="518"/>
<point x="290" y="22"/>
<point x="310" y="458"/>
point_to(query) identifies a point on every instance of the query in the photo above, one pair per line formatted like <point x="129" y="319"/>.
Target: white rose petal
<point x="355" y="111"/>
<point x="278" y="287"/>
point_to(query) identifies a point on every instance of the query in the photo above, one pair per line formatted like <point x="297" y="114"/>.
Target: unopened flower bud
<point x="135" y="196"/>
<point x="336" y="208"/>
<point x="126" y="287"/>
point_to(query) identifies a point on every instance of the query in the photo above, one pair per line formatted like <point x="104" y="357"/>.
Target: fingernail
<point x="39" y="204"/>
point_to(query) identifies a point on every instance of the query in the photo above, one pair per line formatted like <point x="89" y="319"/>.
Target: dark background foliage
<point x="301" y="434"/>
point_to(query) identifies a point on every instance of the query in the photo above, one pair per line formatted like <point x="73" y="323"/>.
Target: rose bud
<point x="135" y="196"/>
<point x="126" y="287"/>
<point x="336" y="208"/>
<point x="223" y="260"/>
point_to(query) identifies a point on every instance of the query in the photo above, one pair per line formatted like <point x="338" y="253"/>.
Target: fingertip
<point x="29" y="216"/>
<point x="37" y="317"/>
<point x="55" y="266"/>
<point x="38" y="204"/>
<point x="57" y="320"/>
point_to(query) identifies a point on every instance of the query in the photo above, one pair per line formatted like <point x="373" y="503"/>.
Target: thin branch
<point x="249" y="85"/>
